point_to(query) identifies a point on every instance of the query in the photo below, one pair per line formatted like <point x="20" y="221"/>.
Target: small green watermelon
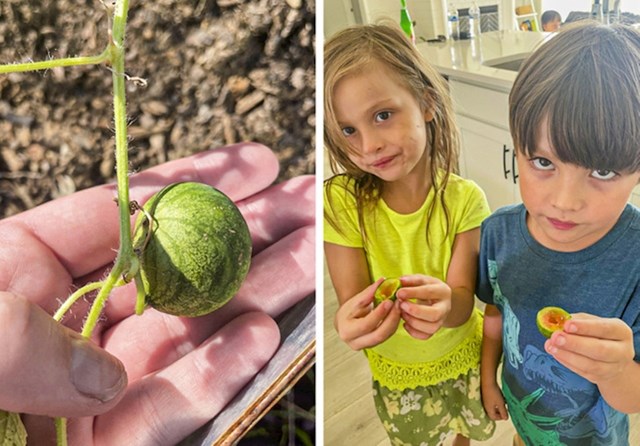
<point x="551" y="319"/>
<point x="386" y="290"/>
<point x="196" y="250"/>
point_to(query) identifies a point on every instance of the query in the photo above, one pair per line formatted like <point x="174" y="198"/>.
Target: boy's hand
<point x="598" y="349"/>
<point x="493" y="401"/>
<point x="360" y="325"/>
<point x="432" y="304"/>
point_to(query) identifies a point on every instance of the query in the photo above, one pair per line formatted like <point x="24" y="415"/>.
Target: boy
<point x="551" y="21"/>
<point x="574" y="113"/>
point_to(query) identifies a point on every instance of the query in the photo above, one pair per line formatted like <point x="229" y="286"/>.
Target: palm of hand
<point x="181" y="372"/>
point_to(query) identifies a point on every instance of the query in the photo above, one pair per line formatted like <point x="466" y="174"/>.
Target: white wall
<point x="338" y="14"/>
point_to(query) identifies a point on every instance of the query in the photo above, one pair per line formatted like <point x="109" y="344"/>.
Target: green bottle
<point x="405" y="21"/>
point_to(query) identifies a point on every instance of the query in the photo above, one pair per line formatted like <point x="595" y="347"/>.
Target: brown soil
<point x="216" y="72"/>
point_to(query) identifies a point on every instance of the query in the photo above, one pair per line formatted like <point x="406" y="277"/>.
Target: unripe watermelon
<point x="198" y="252"/>
<point x="551" y="319"/>
<point x="386" y="290"/>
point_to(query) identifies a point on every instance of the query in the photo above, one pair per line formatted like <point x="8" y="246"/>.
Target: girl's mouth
<point x="383" y="162"/>
<point x="562" y="225"/>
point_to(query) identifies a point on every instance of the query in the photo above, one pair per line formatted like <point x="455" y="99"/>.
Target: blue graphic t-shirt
<point x="548" y="403"/>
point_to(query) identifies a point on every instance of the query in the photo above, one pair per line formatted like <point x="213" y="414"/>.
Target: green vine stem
<point x="126" y="263"/>
<point x="47" y="64"/>
<point x="74" y="297"/>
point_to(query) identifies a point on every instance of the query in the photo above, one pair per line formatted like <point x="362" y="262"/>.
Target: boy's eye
<point x="348" y="131"/>
<point x="603" y="174"/>
<point x="383" y="116"/>
<point x="542" y="163"/>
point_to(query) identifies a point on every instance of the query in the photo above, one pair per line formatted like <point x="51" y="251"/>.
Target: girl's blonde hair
<point x="585" y="81"/>
<point x="351" y="51"/>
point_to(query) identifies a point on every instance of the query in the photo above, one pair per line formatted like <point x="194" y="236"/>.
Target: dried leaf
<point x="12" y="431"/>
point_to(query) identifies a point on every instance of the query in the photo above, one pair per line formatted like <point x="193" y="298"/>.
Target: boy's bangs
<point x="594" y="129"/>
<point x="588" y="95"/>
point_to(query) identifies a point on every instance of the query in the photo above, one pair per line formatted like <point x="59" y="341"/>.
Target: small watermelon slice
<point x="551" y="319"/>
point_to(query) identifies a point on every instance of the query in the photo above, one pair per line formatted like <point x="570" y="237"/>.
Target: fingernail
<point x="94" y="373"/>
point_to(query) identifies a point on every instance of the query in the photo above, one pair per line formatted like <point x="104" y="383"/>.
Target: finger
<point x="47" y="369"/>
<point x="502" y="412"/>
<point x="381" y="333"/>
<point x="30" y="268"/>
<point x="424" y="332"/>
<point x="363" y="300"/>
<point x="493" y="412"/>
<point x="86" y="231"/>
<point x="165" y="407"/>
<point x="413" y="280"/>
<point x="279" y="210"/>
<point x="595" y="327"/>
<point x="590" y="357"/>
<point x="425" y="294"/>
<point x="280" y="276"/>
<point x="355" y="325"/>
<point x="606" y="340"/>
<point x="423" y="321"/>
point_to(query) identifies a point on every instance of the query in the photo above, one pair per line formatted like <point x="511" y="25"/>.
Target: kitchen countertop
<point x="469" y="60"/>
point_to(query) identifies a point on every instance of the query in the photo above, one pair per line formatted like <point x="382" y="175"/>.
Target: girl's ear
<point x="428" y="115"/>
<point x="429" y="109"/>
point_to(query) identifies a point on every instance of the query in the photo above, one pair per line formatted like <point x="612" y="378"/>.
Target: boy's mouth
<point x="562" y="225"/>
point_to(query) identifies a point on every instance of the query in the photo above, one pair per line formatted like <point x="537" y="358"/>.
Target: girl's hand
<point x="432" y="304"/>
<point x="598" y="349"/>
<point x="493" y="401"/>
<point x="360" y="325"/>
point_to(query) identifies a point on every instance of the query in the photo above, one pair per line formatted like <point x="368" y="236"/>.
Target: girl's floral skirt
<point x="426" y="416"/>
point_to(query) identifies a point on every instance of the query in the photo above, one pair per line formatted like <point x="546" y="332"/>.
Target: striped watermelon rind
<point x="199" y="250"/>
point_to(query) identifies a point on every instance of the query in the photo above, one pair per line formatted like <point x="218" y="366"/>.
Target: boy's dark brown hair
<point x="585" y="84"/>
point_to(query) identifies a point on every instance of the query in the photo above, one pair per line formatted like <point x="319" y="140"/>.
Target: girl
<point x="399" y="211"/>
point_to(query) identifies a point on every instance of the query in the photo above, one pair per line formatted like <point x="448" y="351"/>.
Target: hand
<point x="360" y="325"/>
<point x="432" y="304"/>
<point x="493" y="401"/>
<point x="598" y="349"/>
<point x="179" y="372"/>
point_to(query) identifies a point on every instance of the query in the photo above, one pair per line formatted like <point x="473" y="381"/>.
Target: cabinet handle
<point x="513" y="166"/>
<point x="504" y="161"/>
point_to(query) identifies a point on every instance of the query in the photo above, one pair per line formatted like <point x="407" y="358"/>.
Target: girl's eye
<point x="383" y="116"/>
<point x="348" y="131"/>
<point x="542" y="163"/>
<point x="603" y="174"/>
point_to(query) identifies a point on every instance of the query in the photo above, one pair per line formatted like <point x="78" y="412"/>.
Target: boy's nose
<point x="567" y="195"/>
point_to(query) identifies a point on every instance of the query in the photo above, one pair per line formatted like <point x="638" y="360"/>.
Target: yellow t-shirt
<point x="396" y="245"/>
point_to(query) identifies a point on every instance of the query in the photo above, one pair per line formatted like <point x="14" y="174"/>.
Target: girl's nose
<point x="371" y="142"/>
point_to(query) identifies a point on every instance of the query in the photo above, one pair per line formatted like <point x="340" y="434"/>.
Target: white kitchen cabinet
<point x="488" y="159"/>
<point x="487" y="154"/>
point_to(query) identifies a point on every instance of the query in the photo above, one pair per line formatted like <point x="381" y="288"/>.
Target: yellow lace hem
<point x="400" y="376"/>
